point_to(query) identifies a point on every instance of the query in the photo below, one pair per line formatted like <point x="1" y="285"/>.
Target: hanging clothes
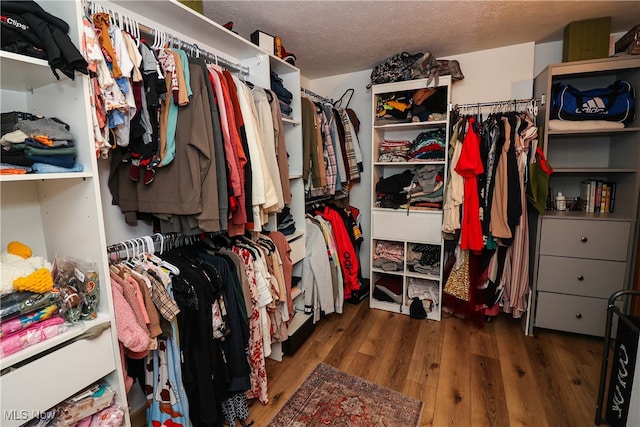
<point x="516" y="295"/>
<point x="190" y="188"/>
<point x="267" y="132"/>
<point x="257" y="356"/>
<point x="497" y="157"/>
<point x="469" y="166"/>
<point x="316" y="273"/>
<point x="281" y="147"/>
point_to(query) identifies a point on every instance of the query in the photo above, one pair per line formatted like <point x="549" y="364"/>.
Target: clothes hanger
<point x="138" y="255"/>
<point x="268" y="242"/>
<point x="338" y="102"/>
<point x="129" y="256"/>
<point x="150" y="255"/>
<point x="133" y="31"/>
<point x="154" y="45"/>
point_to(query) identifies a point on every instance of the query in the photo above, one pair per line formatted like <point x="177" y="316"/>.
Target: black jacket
<point x="30" y="30"/>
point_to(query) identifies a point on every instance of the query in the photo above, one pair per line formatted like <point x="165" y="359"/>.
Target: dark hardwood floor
<point x="467" y="376"/>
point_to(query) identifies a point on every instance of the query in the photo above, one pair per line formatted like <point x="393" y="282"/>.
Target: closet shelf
<point x="388" y="306"/>
<point x="406" y="211"/>
<point x="173" y="15"/>
<point x="295" y="292"/>
<point x="391" y="273"/>
<point x="24" y="73"/>
<point x="298" y="320"/>
<point x="601" y="171"/>
<point x="559" y="133"/>
<point x="580" y="215"/>
<point x="399" y="308"/>
<point x="411" y="125"/>
<point x="46" y="345"/>
<point x="591" y="67"/>
<point x="422" y="276"/>
<point x="406" y="164"/>
<point x="291" y="121"/>
<point x="295" y="236"/>
<point x="280" y="66"/>
<point x="44" y="176"/>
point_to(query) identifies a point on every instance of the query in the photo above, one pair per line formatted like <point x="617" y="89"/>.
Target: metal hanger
<point x="338" y="102"/>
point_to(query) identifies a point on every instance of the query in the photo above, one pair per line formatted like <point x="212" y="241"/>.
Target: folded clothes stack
<point x="394" y="151"/>
<point x="388" y="288"/>
<point x="284" y="96"/>
<point x="429" y="145"/>
<point x="427" y="291"/>
<point x="424" y="259"/>
<point x="286" y="224"/>
<point x="33" y="144"/>
<point x="388" y="255"/>
<point x="427" y="187"/>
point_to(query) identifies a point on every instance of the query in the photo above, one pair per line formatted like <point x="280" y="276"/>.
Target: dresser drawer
<point x="578" y="276"/>
<point x="585" y="239"/>
<point x="582" y="315"/>
<point x="46" y="381"/>
<point x="419" y="227"/>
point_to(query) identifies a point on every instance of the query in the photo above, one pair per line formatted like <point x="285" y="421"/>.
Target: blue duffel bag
<point x="615" y="103"/>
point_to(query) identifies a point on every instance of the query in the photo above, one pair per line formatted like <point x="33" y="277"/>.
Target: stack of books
<point x="598" y="196"/>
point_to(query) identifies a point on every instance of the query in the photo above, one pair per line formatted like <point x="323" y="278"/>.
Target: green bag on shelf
<point x="538" y="186"/>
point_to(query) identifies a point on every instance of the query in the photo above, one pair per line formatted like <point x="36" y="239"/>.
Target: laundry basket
<point x="624" y="381"/>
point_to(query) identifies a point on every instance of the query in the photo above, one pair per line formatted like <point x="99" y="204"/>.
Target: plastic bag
<point x="538" y="186"/>
<point x="78" y="284"/>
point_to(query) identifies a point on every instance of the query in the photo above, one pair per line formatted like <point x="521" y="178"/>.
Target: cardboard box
<point x="264" y="41"/>
<point x="588" y="39"/>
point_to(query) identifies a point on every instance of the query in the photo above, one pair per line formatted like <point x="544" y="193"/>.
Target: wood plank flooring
<point x="467" y="376"/>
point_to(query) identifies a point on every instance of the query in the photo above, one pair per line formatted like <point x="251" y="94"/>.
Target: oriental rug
<point x="331" y="397"/>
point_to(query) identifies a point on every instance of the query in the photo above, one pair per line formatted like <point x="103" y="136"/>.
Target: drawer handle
<point x="578" y="316"/>
<point x="584" y="240"/>
<point x="580" y="277"/>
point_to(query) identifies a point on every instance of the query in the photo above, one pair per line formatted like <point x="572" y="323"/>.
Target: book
<point x="584" y="196"/>
<point x="598" y="196"/>
<point x="592" y="195"/>
<point x="612" y="197"/>
<point x="607" y="202"/>
<point x="603" y="198"/>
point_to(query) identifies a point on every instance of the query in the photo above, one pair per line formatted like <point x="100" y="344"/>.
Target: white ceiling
<point x="337" y="37"/>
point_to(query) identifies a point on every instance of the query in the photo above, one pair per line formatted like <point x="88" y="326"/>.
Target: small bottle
<point x="561" y="202"/>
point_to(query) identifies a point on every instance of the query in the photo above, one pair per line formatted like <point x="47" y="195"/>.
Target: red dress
<point x="469" y="166"/>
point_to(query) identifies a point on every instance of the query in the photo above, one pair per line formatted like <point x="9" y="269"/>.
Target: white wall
<point x="545" y="54"/>
<point x="495" y="74"/>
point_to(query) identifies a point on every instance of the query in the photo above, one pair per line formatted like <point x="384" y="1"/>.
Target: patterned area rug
<point x="330" y="397"/>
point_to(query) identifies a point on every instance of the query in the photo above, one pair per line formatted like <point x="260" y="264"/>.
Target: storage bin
<point x="588" y="39"/>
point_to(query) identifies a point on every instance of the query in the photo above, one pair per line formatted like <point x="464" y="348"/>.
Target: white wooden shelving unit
<point x="406" y="227"/>
<point x="290" y="76"/>
<point x="56" y="214"/>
